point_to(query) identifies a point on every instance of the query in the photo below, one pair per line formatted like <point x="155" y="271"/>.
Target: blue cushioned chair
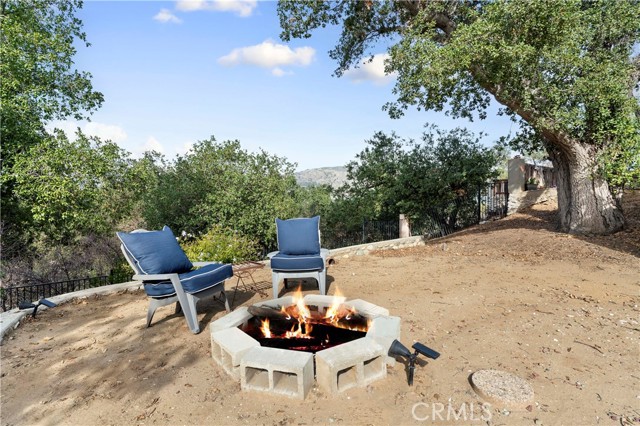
<point x="299" y="254"/>
<point x="168" y="275"/>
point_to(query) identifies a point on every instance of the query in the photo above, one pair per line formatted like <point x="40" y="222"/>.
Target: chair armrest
<point x="324" y="253"/>
<point x="273" y="253"/>
<point x="201" y="264"/>
<point x="153" y="277"/>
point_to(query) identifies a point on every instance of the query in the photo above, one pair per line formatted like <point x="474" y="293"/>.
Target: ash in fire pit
<point x="305" y="328"/>
<point x="280" y="346"/>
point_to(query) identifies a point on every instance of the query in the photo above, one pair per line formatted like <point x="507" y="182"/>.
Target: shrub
<point x="221" y="245"/>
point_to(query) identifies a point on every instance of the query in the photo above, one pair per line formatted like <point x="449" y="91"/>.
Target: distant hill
<point x="334" y="176"/>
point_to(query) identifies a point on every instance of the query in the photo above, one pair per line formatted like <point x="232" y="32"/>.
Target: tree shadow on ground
<point x="111" y="348"/>
<point x="544" y="217"/>
<point x="239" y="295"/>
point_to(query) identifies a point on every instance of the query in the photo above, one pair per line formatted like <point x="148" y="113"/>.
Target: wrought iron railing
<point x="11" y="296"/>
<point x="368" y="231"/>
<point x="487" y="203"/>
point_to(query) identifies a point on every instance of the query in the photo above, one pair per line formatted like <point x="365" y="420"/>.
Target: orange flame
<point x="304" y="314"/>
<point x="297" y="333"/>
<point x="334" y="310"/>
<point x="336" y="315"/>
<point x="266" y="332"/>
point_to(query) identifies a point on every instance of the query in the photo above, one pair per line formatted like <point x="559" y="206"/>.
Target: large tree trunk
<point x="585" y="203"/>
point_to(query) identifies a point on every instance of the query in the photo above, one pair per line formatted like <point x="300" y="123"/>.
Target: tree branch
<point x="411" y="6"/>
<point x="444" y="23"/>
<point x="556" y="137"/>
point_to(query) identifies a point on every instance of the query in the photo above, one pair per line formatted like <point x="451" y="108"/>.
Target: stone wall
<point x="523" y="199"/>
<point x="364" y="249"/>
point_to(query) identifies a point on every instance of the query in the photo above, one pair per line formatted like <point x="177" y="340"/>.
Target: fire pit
<point x="272" y="345"/>
<point x="306" y="328"/>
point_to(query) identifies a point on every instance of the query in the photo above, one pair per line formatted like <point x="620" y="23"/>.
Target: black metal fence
<point x="369" y="231"/>
<point x="493" y="201"/>
<point x="11" y="296"/>
<point x="487" y="203"/>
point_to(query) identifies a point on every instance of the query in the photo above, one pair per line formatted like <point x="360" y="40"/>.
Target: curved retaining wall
<point x="11" y="319"/>
<point x="364" y="249"/>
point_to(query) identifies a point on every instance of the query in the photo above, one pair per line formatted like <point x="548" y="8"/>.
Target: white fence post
<point x="405" y="230"/>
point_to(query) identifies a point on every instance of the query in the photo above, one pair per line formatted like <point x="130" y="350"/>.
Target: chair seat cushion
<point x="155" y="252"/>
<point x="285" y="262"/>
<point x="192" y="281"/>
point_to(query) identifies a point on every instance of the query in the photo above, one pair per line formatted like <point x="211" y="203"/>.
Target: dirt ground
<point x="559" y="311"/>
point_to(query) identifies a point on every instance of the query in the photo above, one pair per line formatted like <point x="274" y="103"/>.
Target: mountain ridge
<point x="334" y="176"/>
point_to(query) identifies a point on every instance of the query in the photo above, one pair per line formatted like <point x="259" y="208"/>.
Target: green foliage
<point x="48" y="261"/>
<point x="39" y="84"/>
<point x="38" y="80"/>
<point x="445" y="167"/>
<point x="72" y="188"/>
<point x="563" y="66"/>
<point x="621" y="164"/>
<point x="373" y="176"/>
<point x="221" y="245"/>
<point x="395" y="176"/>
<point x="312" y="200"/>
<point x="503" y="153"/>
<point x="343" y="218"/>
<point x="220" y="183"/>
<point x="436" y="177"/>
<point x="37" y="52"/>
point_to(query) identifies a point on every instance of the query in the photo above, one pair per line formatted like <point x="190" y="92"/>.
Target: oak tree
<point x="566" y="70"/>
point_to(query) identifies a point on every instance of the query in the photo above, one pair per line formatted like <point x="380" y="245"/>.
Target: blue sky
<point x="173" y="73"/>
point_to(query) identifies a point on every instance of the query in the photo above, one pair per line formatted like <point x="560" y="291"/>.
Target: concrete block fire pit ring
<point x="291" y="373"/>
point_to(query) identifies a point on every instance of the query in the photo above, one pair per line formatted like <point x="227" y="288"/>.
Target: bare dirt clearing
<point x="557" y="310"/>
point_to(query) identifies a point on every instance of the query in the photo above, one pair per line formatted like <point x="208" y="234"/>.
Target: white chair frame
<point x="184" y="301"/>
<point x="320" y="276"/>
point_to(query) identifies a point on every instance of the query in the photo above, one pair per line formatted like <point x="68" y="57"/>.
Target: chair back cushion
<point x="299" y="236"/>
<point x="155" y="252"/>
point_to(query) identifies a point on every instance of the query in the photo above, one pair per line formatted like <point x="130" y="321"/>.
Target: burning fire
<point x="337" y="311"/>
<point x="265" y="328"/>
<point x="337" y="315"/>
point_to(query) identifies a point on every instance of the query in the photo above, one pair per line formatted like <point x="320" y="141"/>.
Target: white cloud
<point x="153" y="144"/>
<point x="269" y="55"/>
<point x="371" y="71"/>
<point x="279" y="72"/>
<point x="243" y="8"/>
<point x="186" y="147"/>
<point x="68" y="127"/>
<point x="104" y="131"/>
<point x="166" y="16"/>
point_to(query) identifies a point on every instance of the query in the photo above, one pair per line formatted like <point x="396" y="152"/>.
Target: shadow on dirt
<point x="544" y="217"/>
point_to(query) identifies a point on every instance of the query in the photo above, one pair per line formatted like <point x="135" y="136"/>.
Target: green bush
<point x="220" y="245"/>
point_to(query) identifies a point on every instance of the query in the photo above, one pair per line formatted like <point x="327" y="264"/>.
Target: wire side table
<point x="244" y="271"/>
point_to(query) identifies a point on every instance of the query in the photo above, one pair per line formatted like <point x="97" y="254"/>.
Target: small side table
<point x="243" y="271"/>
